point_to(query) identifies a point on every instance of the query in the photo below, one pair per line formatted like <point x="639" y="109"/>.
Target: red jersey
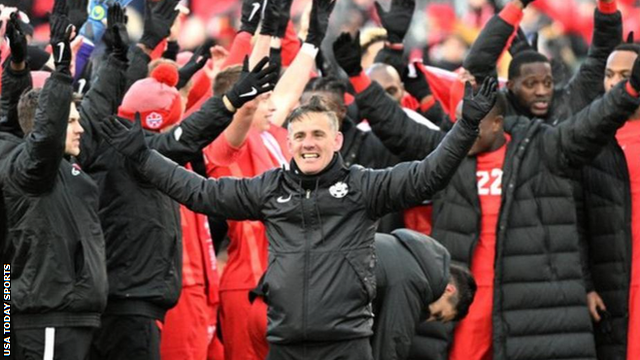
<point x="629" y="139"/>
<point x="473" y="336"/>
<point x="248" y="249"/>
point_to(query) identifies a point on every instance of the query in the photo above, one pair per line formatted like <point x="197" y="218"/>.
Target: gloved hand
<point x="475" y="108"/>
<point x="252" y="83"/>
<point x="284" y="9"/>
<point x="348" y="53"/>
<point x="94" y="28"/>
<point x="415" y="82"/>
<point x="319" y="21"/>
<point x="17" y="39"/>
<point x="397" y="20"/>
<point x="197" y="62"/>
<point x="116" y="38"/>
<point x="128" y="140"/>
<point x="634" y="79"/>
<point x="158" y="20"/>
<point x="61" y="30"/>
<point x="270" y="18"/>
<point x="251" y="13"/>
<point x="77" y="12"/>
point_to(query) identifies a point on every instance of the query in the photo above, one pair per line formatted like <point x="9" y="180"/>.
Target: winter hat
<point x="155" y="98"/>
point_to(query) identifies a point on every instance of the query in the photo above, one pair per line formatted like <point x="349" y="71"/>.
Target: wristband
<point x="511" y="14"/>
<point x="228" y="104"/>
<point x="360" y="82"/>
<point x="309" y="49"/>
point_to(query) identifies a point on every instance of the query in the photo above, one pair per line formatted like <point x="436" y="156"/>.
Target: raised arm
<point x="410" y="183"/>
<point x="416" y="83"/>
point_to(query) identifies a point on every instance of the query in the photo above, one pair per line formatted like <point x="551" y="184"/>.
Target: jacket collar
<point x="328" y="176"/>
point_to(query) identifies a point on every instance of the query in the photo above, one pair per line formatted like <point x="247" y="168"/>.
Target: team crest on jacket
<point x="154" y="120"/>
<point x="339" y="190"/>
<point x="75" y="169"/>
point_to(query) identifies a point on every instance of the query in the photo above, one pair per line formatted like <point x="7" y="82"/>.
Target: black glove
<point x="17" y="39"/>
<point x="271" y="18"/>
<point x="251" y="84"/>
<point x="77" y="12"/>
<point x="348" y="53"/>
<point x="61" y="30"/>
<point x="415" y="82"/>
<point x="158" y="20"/>
<point x="284" y="16"/>
<point x="116" y="38"/>
<point x="128" y="140"/>
<point x="526" y="2"/>
<point x="251" y="12"/>
<point x="634" y="79"/>
<point x="319" y="21"/>
<point x="475" y="108"/>
<point x="397" y="20"/>
<point x="59" y="8"/>
<point x="197" y="62"/>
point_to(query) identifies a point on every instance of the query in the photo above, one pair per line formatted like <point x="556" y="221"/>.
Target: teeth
<point x="309" y="156"/>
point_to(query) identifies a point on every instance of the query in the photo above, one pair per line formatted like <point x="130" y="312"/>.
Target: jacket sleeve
<point x="138" y="65"/>
<point x="578" y="140"/>
<point x="588" y="83"/>
<point x="14" y="83"/>
<point x="35" y="168"/>
<point x="195" y="132"/>
<point x="230" y="198"/>
<point x="436" y="114"/>
<point x="410" y="183"/>
<point x="401" y="135"/>
<point x="102" y="100"/>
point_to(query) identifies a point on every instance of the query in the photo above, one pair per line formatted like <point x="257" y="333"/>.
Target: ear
<point x="497" y="123"/>
<point x="450" y="289"/>
<point x="338" y="142"/>
<point x="510" y="85"/>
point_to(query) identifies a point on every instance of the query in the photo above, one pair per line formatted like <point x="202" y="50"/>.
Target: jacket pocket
<point x="363" y="262"/>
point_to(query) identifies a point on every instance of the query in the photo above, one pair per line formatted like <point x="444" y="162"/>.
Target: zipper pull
<point x="308" y="194"/>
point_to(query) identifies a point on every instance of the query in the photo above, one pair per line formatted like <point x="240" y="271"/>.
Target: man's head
<point x="331" y="90"/>
<point x="454" y="303"/>
<point x="620" y="64"/>
<point x="388" y="78"/>
<point x="531" y="82"/>
<point x="371" y="42"/>
<point x="27" y="107"/>
<point x="491" y="134"/>
<point x="313" y="136"/>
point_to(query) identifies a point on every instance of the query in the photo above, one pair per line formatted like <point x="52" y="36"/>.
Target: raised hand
<point x="415" y="81"/>
<point x="251" y="12"/>
<point x="17" y="39"/>
<point x="634" y="79"/>
<point x="397" y="20"/>
<point x="348" y="53"/>
<point x="319" y="21"/>
<point x="116" y="38"/>
<point x="476" y="107"/>
<point x="271" y="18"/>
<point x="197" y="62"/>
<point x="252" y="83"/>
<point x="77" y="12"/>
<point x="61" y="32"/>
<point x="126" y="139"/>
<point x="158" y="20"/>
<point x="284" y="15"/>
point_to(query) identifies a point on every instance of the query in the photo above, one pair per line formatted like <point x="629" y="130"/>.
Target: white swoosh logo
<point x="283" y="200"/>
<point x="61" y="46"/>
<point x="250" y="93"/>
<point x="256" y="6"/>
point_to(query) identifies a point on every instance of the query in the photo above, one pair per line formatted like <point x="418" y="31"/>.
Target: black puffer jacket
<point x="55" y="244"/>
<point x="411" y="273"/>
<point x="319" y="283"/>
<point x="540" y="298"/>
<point x="608" y="209"/>
<point x="585" y="86"/>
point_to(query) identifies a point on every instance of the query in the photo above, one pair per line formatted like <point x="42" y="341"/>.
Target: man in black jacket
<point x="415" y="283"/>
<point x="533" y="222"/>
<point x="320" y="218"/>
<point x="55" y="244"/>
<point x="530" y="89"/>
<point x="611" y="204"/>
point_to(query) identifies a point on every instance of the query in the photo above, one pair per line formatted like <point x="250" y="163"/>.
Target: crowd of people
<point x="330" y="181"/>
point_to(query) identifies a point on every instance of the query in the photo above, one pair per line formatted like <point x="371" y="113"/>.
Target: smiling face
<point x="74" y="132"/>
<point x="619" y="66"/>
<point x="313" y="139"/>
<point x="534" y="87"/>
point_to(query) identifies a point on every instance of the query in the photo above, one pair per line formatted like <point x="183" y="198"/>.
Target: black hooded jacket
<point x="411" y="273"/>
<point x="540" y="296"/>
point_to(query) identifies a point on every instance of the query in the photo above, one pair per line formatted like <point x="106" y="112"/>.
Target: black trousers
<point x="62" y="343"/>
<point x="128" y="337"/>
<point x="357" y="349"/>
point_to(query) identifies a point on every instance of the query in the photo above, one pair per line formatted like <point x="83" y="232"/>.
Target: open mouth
<point x="310" y="156"/>
<point x="541" y="105"/>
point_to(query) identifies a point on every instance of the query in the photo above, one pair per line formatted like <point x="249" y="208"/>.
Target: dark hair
<point x="225" y="79"/>
<point x="27" y="106"/>
<point x="327" y="83"/>
<point x="635" y="48"/>
<point x="524" y="58"/>
<point x="466" y="290"/>
<point x="315" y="105"/>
